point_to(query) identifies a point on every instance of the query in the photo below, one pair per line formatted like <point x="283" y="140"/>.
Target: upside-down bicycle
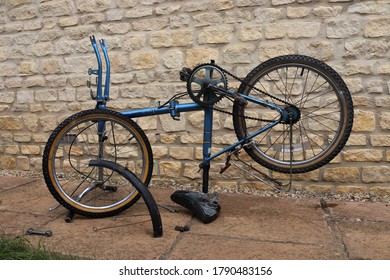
<point x="291" y="114"/>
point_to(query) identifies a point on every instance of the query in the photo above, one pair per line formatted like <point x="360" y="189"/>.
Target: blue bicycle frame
<point x="174" y="109"/>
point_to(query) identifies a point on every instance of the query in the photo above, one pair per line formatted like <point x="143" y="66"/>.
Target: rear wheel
<point x="321" y="112"/>
<point x="89" y="135"/>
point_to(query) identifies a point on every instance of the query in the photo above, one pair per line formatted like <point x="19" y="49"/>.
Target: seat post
<point x="207" y="144"/>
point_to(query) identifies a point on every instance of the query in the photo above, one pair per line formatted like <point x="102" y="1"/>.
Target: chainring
<point x="198" y="83"/>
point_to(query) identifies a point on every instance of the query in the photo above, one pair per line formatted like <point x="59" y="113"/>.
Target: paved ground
<point x="249" y="227"/>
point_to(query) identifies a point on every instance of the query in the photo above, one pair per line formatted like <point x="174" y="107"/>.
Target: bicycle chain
<point x="253" y="87"/>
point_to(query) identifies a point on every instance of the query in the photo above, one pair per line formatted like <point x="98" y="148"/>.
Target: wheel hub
<point x="293" y="115"/>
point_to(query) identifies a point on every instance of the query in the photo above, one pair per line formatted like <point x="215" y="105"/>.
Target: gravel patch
<point x="296" y="194"/>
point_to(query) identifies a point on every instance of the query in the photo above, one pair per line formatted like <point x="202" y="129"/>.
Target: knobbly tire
<point x="96" y="134"/>
<point x="316" y="98"/>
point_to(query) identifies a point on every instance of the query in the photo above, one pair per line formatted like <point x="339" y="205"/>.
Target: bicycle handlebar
<point x="99" y="72"/>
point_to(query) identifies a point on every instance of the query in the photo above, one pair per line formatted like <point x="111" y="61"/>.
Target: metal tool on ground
<point x="46" y="233"/>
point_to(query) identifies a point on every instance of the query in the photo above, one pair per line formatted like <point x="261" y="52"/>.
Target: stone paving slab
<point x="249" y="227"/>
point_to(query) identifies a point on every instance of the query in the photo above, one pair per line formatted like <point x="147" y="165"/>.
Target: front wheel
<point x="95" y="191"/>
<point x="317" y="99"/>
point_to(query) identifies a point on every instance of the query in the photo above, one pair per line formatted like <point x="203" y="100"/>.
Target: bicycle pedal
<point x="204" y="206"/>
<point x="223" y="169"/>
<point x="185" y="73"/>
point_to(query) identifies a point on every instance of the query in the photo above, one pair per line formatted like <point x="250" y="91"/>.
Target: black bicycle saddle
<point x="204" y="206"/>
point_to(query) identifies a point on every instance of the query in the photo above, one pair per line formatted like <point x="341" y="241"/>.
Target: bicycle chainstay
<point x="226" y="72"/>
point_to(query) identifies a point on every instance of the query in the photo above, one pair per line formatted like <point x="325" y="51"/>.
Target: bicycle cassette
<point x="202" y="83"/>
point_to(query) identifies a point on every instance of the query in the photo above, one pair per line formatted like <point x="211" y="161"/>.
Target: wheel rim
<point x="317" y="129"/>
<point x="100" y="189"/>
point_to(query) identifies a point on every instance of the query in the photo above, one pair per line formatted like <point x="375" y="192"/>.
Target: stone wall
<point x="45" y="53"/>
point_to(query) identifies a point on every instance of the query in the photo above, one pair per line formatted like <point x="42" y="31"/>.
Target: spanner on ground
<point x="46" y="233"/>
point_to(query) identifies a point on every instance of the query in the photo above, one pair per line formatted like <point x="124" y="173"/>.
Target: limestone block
<point x="275" y="31"/>
<point x="384" y="69"/>
<point x="41" y="49"/>
<point x="68" y="21"/>
<point x="380" y="140"/>
<point x="170" y="169"/>
<point x="48" y="123"/>
<point x="11" y="149"/>
<point x="23" y="13"/>
<point x="360" y="155"/>
<point x="377" y="27"/>
<point x="80" y="32"/>
<point x="251" y="32"/>
<point x="93" y="6"/>
<point x="173" y="59"/>
<point x="298" y="12"/>
<point x="192" y="139"/>
<point x="134" y="42"/>
<point x="363" y="121"/>
<point x="56" y="8"/>
<point x="8" y="70"/>
<point x="148" y="123"/>
<point x="30" y="149"/>
<point x="14" y="82"/>
<point x="191" y="170"/>
<point x="115" y="28"/>
<point x="170" y="125"/>
<point x="321" y="50"/>
<point x="7" y="97"/>
<point x="357" y="67"/>
<point x="327" y="11"/>
<point x="384" y="121"/>
<point x="45" y="95"/>
<point x="182" y="153"/>
<point x="178" y="38"/>
<point x="22" y="137"/>
<point x="126" y="3"/>
<point x="357" y="140"/>
<point x="14" y="3"/>
<point x="303" y="29"/>
<point x="150" y="24"/>
<point x="239" y="53"/>
<point x="139" y="12"/>
<point x="196" y="56"/>
<point x="216" y="35"/>
<point x="351" y="189"/>
<point x="380" y="191"/>
<point x="342" y="174"/>
<point x="11" y="123"/>
<point x="281" y="2"/>
<point x="167" y="10"/>
<point x="376" y="174"/>
<point x="23" y="163"/>
<point x="268" y="15"/>
<point x="370" y="7"/>
<point x="270" y="50"/>
<point x="207" y="19"/>
<point x="168" y="138"/>
<point x="92" y="18"/>
<point x="221" y="5"/>
<point x="31" y="123"/>
<point x="51" y="66"/>
<point x="144" y="60"/>
<point x="160" y="152"/>
<point x="7" y="162"/>
<point x="366" y="48"/>
<point x="246" y="3"/>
